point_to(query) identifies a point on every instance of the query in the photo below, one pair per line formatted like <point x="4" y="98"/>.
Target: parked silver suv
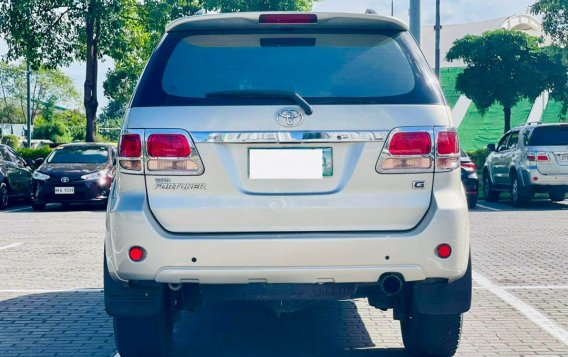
<point x="288" y="158"/>
<point x="528" y="159"/>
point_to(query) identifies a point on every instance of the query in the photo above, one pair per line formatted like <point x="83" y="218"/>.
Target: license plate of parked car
<point x="64" y="190"/>
<point x="290" y="164"/>
<point x="563" y="157"/>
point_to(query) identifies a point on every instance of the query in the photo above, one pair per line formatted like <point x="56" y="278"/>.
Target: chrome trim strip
<point x="267" y="137"/>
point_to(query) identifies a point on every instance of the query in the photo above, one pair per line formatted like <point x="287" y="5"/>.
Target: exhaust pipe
<point x="391" y="284"/>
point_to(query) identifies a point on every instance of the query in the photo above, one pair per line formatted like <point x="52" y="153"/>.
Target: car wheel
<point x="556" y="196"/>
<point x="431" y="335"/>
<point x="144" y="336"/>
<point x="490" y="194"/>
<point x="472" y="202"/>
<point x="38" y="206"/>
<point x="4" y="197"/>
<point x="519" y="197"/>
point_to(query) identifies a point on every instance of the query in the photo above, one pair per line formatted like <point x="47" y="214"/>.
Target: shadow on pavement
<point x="534" y="205"/>
<point x="75" y="323"/>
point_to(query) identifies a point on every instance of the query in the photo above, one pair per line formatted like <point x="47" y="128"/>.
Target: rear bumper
<point x="322" y="257"/>
<point x="543" y="183"/>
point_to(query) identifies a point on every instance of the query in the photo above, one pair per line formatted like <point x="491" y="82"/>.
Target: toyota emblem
<point x="65" y="179"/>
<point x="289" y="118"/>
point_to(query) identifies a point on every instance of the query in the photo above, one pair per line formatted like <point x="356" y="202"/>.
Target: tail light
<point x="538" y="156"/>
<point x="469" y="166"/>
<point x="166" y="151"/>
<point x="172" y="152"/>
<point x="447" y="149"/>
<point x="407" y="150"/>
<point x="411" y="150"/>
<point x="130" y="152"/>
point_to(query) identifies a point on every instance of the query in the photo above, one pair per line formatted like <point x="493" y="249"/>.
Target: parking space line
<point x="13" y="245"/>
<point x="17" y="209"/>
<point x="489" y="208"/>
<point x="530" y="312"/>
<point x="528" y="287"/>
<point x="45" y="291"/>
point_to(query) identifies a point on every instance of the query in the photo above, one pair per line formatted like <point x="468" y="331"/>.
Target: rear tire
<point x="431" y="335"/>
<point x="4" y="196"/>
<point x="519" y="196"/>
<point x="144" y="336"/>
<point x="489" y="191"/>
<point x="472" y="202"/>
<point x="557" y="196"/>
<point x="38" y="206"/>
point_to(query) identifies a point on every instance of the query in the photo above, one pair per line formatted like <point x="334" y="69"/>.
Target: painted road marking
<point x="17" y="209"/>
<point x="45" y="291"/>
<point x="530" y="312"/>
<point x="489" y="208"/>
<point x="11" y="246"/>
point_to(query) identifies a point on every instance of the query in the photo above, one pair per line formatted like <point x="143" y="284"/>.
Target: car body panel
<point x="15" y="172"/>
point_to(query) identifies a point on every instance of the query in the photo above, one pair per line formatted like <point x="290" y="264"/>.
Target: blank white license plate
<point x="285" y="164"/>
<point x="64" y="190"/>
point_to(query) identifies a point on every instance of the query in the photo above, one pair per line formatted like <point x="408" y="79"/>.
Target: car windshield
<point x="549" y="136"/>
<point x="79" y="155"/>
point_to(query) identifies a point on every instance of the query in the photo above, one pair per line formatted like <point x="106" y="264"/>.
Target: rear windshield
<point x="549" y="136"/>
<point x="79" y="155"/>
<point x="383" y="68"/>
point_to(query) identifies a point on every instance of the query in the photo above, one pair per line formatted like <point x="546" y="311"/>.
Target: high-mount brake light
<point x="130" y="152"/>
<point x="288" y="19"/>
<point x="168" y="145"/>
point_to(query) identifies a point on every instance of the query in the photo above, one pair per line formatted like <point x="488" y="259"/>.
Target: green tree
<point x="554" y="19"/>
<point x="46" y="84"/>
<point x="555" y="23"/>
<point x="504" y="67"/>
<point x="56" y="32"/>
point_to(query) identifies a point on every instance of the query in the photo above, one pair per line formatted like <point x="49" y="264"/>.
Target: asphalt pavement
<point x="51" y="301"/>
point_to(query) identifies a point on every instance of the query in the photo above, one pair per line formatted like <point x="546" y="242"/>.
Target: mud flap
<point x="438" y="297"/>
<point x="138" y="299"/>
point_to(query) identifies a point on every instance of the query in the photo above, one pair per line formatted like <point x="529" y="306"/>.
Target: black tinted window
<point x="79" y="155"/>
<point x="513" y="140"/>
<point x="323" y="68"/>
<point x="549" y="136"/>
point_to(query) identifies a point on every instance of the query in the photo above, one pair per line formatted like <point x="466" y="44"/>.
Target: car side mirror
<point x="491" y="147"/>
<point x="38" y="162"/>
<point x="30" y="162"/>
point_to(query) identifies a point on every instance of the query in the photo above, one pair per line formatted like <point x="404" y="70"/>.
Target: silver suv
<point x="528" y="159"/>
<point x="288" y="158"/>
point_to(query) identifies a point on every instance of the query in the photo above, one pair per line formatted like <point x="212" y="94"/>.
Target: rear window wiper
<point x="293" y="96"/>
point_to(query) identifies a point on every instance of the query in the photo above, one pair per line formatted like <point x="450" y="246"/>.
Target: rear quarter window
<point x="549" y="136"/>
<point x="324" y="68"/>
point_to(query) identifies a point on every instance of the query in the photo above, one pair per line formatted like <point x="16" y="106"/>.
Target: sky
<point x="452" y="12"/>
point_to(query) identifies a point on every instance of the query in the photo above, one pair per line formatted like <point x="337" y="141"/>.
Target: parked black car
<point x="469" y="179"/>
<point x="15" y="176"/>
<point x="74" y="173"/>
